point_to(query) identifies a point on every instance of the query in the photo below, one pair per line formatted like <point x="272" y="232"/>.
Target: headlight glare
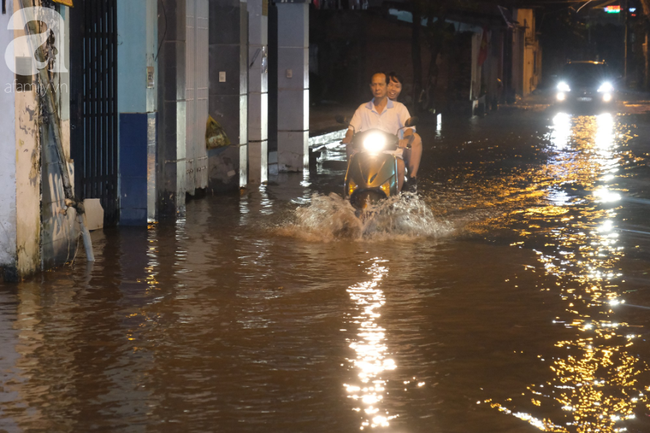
<point x="562" y="86"/>
<point x="374" y="142"/>
<point x="606" y="87"/>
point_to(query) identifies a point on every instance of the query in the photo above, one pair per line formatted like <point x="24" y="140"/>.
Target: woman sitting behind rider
<point x="413" y="155"/>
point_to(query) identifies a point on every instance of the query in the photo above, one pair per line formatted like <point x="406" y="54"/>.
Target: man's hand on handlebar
<point x="406" y="141"/>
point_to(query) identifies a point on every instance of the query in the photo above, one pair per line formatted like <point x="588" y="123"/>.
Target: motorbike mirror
<point x="412" y="121"/>
<point x="340" y="119"/>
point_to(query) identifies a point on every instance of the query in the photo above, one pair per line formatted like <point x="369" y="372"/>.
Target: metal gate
<point x="93" y="103"/>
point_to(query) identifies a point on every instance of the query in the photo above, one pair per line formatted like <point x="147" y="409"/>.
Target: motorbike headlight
<point x="606" y="87"/>
<point x="374" y="142"/>
<point x="562" y="86"/>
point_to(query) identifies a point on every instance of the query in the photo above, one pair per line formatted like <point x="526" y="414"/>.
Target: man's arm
<point x="355" y="124"/>
<point x="408" y="138"/>
<point x="407" y="134"/>
<point x="348" y="136"/>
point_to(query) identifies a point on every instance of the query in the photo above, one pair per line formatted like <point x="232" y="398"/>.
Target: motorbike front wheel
<point x="362" y="200"/>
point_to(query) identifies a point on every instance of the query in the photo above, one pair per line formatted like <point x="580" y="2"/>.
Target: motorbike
<point x="372" y="174"/>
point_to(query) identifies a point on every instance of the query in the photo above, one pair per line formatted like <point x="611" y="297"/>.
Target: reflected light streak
<point x="606" y="226"/>
<point x="596" y="381"/>
<point x="370" y="349"/>
<point x="605" y="131"/>
<point x="561" y="130"/>
<point x="604" y="195"/>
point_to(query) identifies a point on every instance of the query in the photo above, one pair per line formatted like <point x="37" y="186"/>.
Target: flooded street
<point x="511" y="296"/>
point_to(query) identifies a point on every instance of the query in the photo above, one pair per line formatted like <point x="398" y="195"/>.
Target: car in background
<point x="585" y="82"/>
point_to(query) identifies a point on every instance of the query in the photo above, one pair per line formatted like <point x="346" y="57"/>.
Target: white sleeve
<point x="356" y="120"/>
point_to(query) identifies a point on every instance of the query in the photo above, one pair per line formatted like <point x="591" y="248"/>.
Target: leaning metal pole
<point x="53" y="115"/>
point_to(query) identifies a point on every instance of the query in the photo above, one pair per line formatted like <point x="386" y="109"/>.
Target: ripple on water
<point x="331" y="217"/>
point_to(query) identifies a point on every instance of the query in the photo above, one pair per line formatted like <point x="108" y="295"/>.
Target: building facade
<point x="150" y="102"/>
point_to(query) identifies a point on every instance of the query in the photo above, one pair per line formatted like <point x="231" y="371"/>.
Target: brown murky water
<point x="512" y="296"/>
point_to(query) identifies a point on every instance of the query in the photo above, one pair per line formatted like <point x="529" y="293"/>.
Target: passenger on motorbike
<point x="384" y="114"/>
<point x="413" y="154"/>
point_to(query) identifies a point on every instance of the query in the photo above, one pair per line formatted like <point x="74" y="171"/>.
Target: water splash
<point x="331" y="217"/>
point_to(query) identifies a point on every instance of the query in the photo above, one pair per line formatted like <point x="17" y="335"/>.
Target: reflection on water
<point x="594" y="375"/>
<point x="370" y="348"/>
<point x="278" y="310"/>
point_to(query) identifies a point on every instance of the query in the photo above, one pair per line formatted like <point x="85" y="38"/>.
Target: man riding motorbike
<point x="384" y="114"/>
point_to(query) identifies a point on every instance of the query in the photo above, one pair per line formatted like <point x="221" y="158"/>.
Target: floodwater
<point x="511" y="295"/>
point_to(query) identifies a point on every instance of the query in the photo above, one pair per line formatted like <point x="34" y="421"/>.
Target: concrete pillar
<point x="293" y="85"/>
<point x="196" y="91"/>
<point x="34" y="233"/>
<point x="257" y="91"/>
<point x="8" y="154"/>
<point x="172" y="119"/>
<point x="38" y="231"/>
<point x="228" y="103"/>
<point x="137" y="48"/>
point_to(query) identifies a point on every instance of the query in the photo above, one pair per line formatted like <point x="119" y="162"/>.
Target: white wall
<point x="258" y="96"/>
<point x="196" y="92"/>
<point x="293" y="86"/>
<point x="529" y="47"/>
<point x="28" y="183"/>
<point x="7" y="154"/>
<point x="26" y="160"/>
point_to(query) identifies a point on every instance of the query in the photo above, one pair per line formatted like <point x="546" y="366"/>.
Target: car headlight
<point x="563" y="87"/>
<point x="606" y="87"/>
<point x="374" y="142"/>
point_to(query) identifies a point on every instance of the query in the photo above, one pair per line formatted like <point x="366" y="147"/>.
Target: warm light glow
<point x="374" y="142"/>
<point x="371" y="362"/>
<point x="595" y="373"/>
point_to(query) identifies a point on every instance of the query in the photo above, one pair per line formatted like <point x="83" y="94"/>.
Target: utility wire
<point x="162" y="40"/>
